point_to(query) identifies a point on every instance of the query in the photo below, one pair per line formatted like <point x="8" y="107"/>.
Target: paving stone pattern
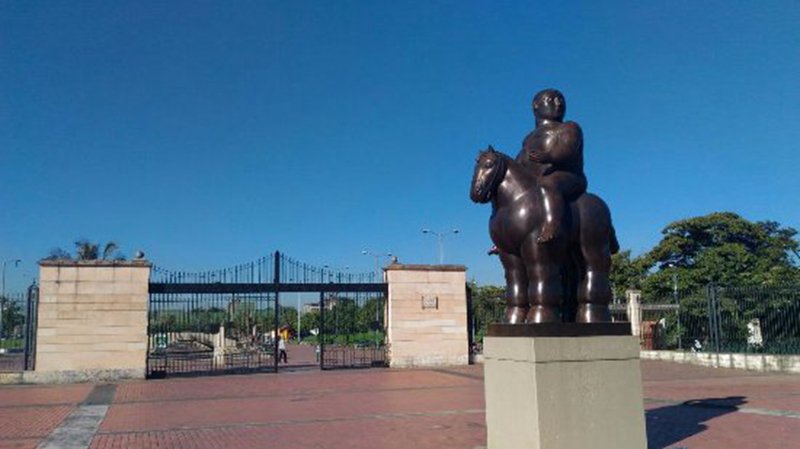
<point x="688" y="407"/>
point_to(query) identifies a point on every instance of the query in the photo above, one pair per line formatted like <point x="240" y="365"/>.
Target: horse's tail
<point x="613" y="243"/>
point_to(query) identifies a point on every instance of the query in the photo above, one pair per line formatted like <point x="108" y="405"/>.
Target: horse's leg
<point x="594" y="292"/>
<point x="545" y="289"/>
<point x="516" y="288"/>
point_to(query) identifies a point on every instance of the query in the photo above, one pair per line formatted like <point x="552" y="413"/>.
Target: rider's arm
<point x="567" y="144"/>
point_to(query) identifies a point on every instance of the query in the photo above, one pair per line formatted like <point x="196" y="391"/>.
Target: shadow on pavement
<point x="673" y="423"/>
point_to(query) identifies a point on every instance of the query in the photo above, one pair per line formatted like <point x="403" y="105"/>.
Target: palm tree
<point x="86" y="250"/>
<point x="109" y="250"/>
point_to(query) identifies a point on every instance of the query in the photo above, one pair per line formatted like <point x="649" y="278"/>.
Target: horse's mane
<point x="512" y="162"/>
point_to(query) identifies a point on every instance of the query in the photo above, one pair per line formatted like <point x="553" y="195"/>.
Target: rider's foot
<point x="547" y="233"/>
<point x="493" y="251"/>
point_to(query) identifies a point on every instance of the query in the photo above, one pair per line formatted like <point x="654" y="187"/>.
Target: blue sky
<point x="212" y="133"/>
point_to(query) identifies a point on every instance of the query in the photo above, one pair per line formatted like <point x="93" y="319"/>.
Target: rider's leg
<point x="557" y="188"/>
<point x="516" y="288"/>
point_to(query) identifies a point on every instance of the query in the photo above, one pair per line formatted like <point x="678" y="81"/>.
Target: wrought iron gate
<point x="231" y="320"/>
<point x="18" y="317"/>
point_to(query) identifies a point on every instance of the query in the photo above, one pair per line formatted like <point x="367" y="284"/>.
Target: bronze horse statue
<point x="564" y="279"/>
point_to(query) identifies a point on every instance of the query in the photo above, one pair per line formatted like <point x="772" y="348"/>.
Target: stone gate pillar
<point x="427" y="315"/>
<point x="634" y="311"/>
<point x="92" y="320"/>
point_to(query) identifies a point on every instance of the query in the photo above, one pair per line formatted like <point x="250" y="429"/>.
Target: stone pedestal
<point x="563" y="386"/>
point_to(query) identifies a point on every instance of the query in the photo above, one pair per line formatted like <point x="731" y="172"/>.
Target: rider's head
<point x="549" y="104"/>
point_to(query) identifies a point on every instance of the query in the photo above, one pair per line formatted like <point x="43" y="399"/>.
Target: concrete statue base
<point x="563" y="386"/>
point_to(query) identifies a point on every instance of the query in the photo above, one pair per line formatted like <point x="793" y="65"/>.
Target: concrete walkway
<point x="688" y="407"/>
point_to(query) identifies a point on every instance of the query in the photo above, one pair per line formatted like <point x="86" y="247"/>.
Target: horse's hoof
<point x="593" y="313"/>
<point x="516" y="315"/>
<point x="543" y="314"/>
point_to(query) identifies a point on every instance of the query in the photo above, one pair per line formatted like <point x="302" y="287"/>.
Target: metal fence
<point x="18" y="330"/>
<point x="762" y="319"/>
<point x="229" y="320"/>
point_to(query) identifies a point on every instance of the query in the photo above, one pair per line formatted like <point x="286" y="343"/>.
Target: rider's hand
<point x="538" y="156"/>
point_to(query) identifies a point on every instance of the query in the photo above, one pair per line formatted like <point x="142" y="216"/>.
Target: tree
<point x="488" y="306"/>
<point x="626" y="272"/>
<point x="87" y="250"/>
<point x="287" y="316"/>
<point x="58" y="254"/>
<point x="12" y="316"/>
<point x="370" y="315"/>
<point x="722" y="248"/>
<point x="309" y="321"/>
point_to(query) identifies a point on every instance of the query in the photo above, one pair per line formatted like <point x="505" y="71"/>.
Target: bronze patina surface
<point x="553" y="238"/>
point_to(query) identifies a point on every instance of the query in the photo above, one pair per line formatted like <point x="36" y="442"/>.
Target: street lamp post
<point x="298" y="312"/>
<point x="377" y="257"/>
<point x="677" y="303"/>
<point x="440" y="237"/>
<point x="3" y="290"/>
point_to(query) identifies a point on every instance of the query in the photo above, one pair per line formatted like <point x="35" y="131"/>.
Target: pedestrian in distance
<point x="282" y="350"/>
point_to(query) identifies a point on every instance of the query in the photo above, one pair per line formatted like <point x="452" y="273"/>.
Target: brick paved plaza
<point x="687" y="407"/>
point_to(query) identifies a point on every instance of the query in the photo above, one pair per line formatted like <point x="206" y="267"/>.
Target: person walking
<point x="282" y="350"/>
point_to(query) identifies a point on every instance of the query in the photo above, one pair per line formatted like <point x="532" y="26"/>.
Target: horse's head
<point x="490" y="168"/>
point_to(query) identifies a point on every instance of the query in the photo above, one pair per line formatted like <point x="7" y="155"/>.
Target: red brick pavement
<point x="29" y="413"/>
<point x="392" y="409"/>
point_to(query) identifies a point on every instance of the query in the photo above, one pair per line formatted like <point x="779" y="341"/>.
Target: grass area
<point x="12" y="343"/>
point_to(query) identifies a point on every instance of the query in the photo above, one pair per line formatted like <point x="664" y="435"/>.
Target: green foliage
<point x="13" y="318"/>
<point x="12" y="343"/>
<point x="347" y="322"/>
<point x="309" y="321"/>
<point x="751" y="263"/>
<point x="204" y="320"/>
<point x="58" y="254"/>
<point x="287" y="316"/>
<point x="722" y="248"/>
<point x="488" y="306"/>
<point x="626" y="272"/>
<point x="86" y="250"/>
<point x="357" y="339"/>
<point x="370" y="315"/>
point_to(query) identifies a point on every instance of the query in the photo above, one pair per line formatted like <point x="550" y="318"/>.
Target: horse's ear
<point x="490" y="149"/>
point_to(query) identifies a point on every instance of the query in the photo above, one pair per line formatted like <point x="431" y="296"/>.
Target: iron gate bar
<point x="31" y="321"/>
<point x="276" y="279"/>
<point x="321" y="334"/>
<point x="161" y="287"/>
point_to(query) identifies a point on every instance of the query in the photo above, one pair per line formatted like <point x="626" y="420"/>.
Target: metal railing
<point x="733" y="319"/>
